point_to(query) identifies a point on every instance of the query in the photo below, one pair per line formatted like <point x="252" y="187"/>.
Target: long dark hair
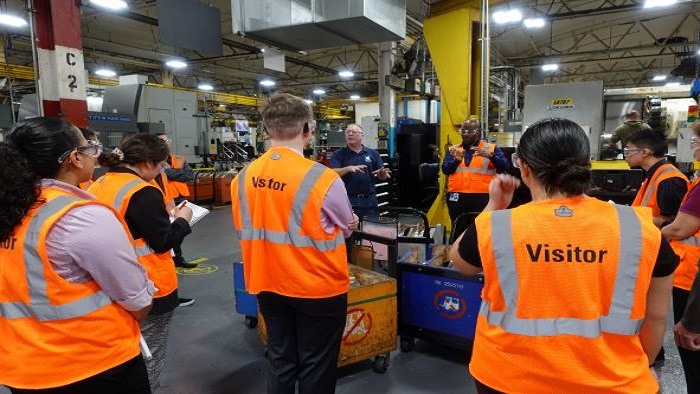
<point x="135" y="149"/>
<point x="30" y="153"/>
<point x="558" y="153"/>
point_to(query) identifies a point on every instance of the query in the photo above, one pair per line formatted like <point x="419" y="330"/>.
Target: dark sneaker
<point x="186" y="301"/>
<point x="182" y="263"/>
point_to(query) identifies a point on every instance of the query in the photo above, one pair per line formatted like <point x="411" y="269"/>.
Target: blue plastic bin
<point x="246" y="304"/>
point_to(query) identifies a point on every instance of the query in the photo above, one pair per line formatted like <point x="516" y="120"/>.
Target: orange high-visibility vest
<point x="115" y="189"/>
<point x="177" y="188"/>
<point x="475" y="177"/>
<point x="85" y="185"/>
<point x="689" y="251"/>
<point x="55" y="332"/>
<point x="646" y="196"/>
<point x="276" y="204"/>
<point x="564" y="297"/>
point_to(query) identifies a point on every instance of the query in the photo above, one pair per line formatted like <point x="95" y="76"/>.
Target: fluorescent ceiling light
<point x="12" y="21"/>
<point x="355" y="97"/>
<point x="176" y="64"/>
<point x="659" y="78"/>
<point x="533" y="23"/>
<point x="205" y="86"/>
<point x="319" y="91"/>
<point x="222" y="105"/>
<point x="509" y="16"/>
<point x="307" y="101"/>
<point x="672" y="84"/>
<point x="267" y="82"/>
<point x="550" y="67"/>
<point x="346" y="74"/>
<point x="659" y="3"/>
<point x="116" y="5"/>
<point x="105" y="72"/>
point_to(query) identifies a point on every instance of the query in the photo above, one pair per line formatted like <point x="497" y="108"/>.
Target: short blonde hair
<point x="284" y="115"/>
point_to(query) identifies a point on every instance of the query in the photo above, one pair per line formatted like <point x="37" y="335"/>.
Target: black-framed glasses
<point x="515" y="159"/>
<point x="93" y="148"/>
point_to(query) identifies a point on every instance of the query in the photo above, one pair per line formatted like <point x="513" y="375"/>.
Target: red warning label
<point x="358" y="325"/>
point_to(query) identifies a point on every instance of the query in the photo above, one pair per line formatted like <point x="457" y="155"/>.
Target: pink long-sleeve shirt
<point x="89" y="242"/>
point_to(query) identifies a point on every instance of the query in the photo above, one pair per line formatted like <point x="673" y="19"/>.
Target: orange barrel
<point x="202" y="186"/>
<point x="223" y="186"/>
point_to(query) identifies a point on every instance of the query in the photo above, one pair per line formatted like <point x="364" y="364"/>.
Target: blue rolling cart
<point x="246" y="303"/>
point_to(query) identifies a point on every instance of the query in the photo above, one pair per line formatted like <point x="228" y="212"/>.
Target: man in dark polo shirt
<point x="359" y="167"/>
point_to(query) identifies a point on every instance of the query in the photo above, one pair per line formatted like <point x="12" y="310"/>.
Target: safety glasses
<point x="93" y="148"/>
<point x="627" y="152"/>
<point x="515" y="159"/>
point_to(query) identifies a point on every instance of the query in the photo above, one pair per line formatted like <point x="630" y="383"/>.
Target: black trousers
<point x="303" y="342"/>
<point x="466" y="202"/>
<point x="130" y="377"/>
<point x="690" y="359"/>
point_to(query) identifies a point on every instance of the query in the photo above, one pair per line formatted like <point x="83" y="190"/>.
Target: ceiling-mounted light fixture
<point x="533" y="23"/>
<point x="205" y="86"/>
<point x="116" y="5"/>
<point x="659" y="78"/>
<point x="12" y="20"/>
<point x="550" y="67"/>
<point x="508" y="16"/>
<point x="659" y="3"/>
<point x="105" y="72"/>
<point x="355" y="97"/>
<point x="319" y="91"/>
<point x="346" y="74"/>
<point x="307" y="101"/>
<point x="672" y="84"/>
<point x="176" y="64"/>
<point x="267" y="82"/>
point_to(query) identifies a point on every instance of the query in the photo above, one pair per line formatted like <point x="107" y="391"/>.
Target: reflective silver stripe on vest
<point x="40" y="306"/>
<point x="144" y="250"/>
<point x="121" y="194"/>
<point x="691" y="241"/>
<point x="293" y="235"/>
<point x="652" y="186"/>
<point x="119" y="200"/>
<point x="476" y="170"/>
<point x="617" y="321"/>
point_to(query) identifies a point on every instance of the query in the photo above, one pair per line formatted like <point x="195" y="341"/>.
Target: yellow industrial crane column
<point x="452" y="34"/>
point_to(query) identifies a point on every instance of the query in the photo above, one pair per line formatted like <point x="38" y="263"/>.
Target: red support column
<point x="60" y="55"/>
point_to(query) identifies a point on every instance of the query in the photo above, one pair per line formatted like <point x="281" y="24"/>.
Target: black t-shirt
<point x="666" y="261"/>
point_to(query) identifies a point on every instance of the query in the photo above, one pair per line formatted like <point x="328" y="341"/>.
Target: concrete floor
<point x="212" y="351"/>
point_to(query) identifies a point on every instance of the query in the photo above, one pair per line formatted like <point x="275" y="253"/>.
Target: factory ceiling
<point x="617" y="41"/>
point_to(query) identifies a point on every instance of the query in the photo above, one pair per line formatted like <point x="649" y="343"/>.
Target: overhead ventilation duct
<point x="313" y="24"/>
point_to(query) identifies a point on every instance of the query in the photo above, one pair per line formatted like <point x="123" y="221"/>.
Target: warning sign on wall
<point x="561" y="103"/>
